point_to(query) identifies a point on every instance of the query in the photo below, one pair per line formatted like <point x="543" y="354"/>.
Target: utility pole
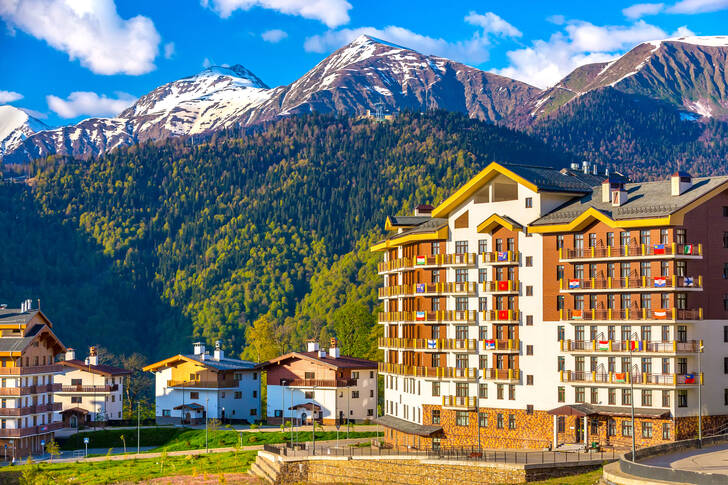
<point x="207" y="420"/>
<point x="313" y="420"/>
<point x="477" y="398"/>
<point x="139" y="414"/>
<point x="348" y="410"/>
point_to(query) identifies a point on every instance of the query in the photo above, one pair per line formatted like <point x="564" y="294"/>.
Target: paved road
<point x="709" y="460"/>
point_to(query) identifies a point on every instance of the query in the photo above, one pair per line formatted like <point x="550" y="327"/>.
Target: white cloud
<point x="330" y="12"/>
<point x="90" y="31"/>
<point x="698" y="6"/>
<point x="639" y="10"/>
<point x="88" y="103"/>
<point x="9" y="96"/>
<point x="557" y="19"/>
<point x="546" y="62"/>
<point x="492" y="24"/>
<point x="207" y="63"/>
<point x="274" y="36"/>
<point x="168" y="50"/>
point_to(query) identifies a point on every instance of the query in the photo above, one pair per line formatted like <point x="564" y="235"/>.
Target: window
<point x="725" y="239"/>
<point x="624" y="270"/>
<point x="681" y="268"/>
<point x="725" y="211"/>
<point x="529" y="260"/>
<point x="725" y="333"/>
<point x="529" y="349"/>
<point x="725" y="365"/>
<point x="461" y="361"/>
<point x="482" y="275"/>
<point x="461" y="247"/>
<point x="610" y="239"/>
<point x="592" y="240"/>
<point x="370" y="412"/>
<point x="561" y="424"/>
<point x="76" y="399"/>
<point x="483" y="360"/>
<point x="559" y="241"/>
<point x="682" y="398"/>
<point x="355" y="394"/>
<point x="529" y="409"/>
<point x="461" y="418"/>
<point x="560" y="302"/>
<point x="682" y="333"/>
<point x="529" y="380"/>
<point x="612" y="396"/>
<point x="666" y="399"/>
<point x="665" y="431"/>
<point x="594" y="396"/>
<point x="309" y="375"/>
<point x="610" y="270"/>
<point x="611" y="428"/>
<point x="560" y="333"/>
<point x="483" y="420"/>
<point x="499" y="421"/>
<point x="664" y="236"/>
<point x="308" y="394"/>
<point x="559" y="272"/>
<point x="626" y="397"/>
<point x="560" y="363"/>
<point x="529" y="202"/>
<point x="578" y="241"/>
<point x="435" y="388"/>
<point x="561" y="394"/>
<point x="611" y="364"/>
<point x="482" y="245"/>
<point x="461" y="303"/>
<point x="435" y="276"/>
<point x="511" y="244"/>
<point x="681" y="236"/>
<point x="512" y="392"/>
<point x="645" y="269"/>
<point x="461" y="332"/>
<point x="647" y="397"/>
<point x="74" y="382"/>
<point x="681" y="301"/>
<point x="435" y="248"/>
<point x="664" y="268"/>
<point x="483" y="391"/>
<point x="255" y="376"/>
<point x="646" y="429"/>
<point x="435" y="416"/>
<point x="579" y="271"/>
<point x="529" y="290"/>
<point x="435" y="304"/>
<point x="355" y="374"/>
<point x="511" y="421"/>
<point x="645" y="237"/>
<point x="529" y="320"/>
<point x="624" y="238"/>
<point x="579" y="395"/>
<point x="194" y="395"/>
<point x="626" y="428"/>
<point x="461" y="275"/>
<point x="254" y="412"/>
<point x="499" y="391"/>
<point x="725" y="397"/>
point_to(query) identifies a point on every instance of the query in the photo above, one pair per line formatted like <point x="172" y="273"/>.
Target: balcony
<point x="36" y="369"/>
<point x="500" y="257"/>
<point x="503" y="375"/>
<point x="622" y="378"/>
<point x="323" y="383"/>
<point x="501" y="287"/>
<point x="460" y="402"/>
<point x="23" y="391"/>
<point x="638" y="314"/>
<point x="669" y="283"/>
<point x="38" y="408"/>
<point x="198" y="384"/>
<point x="652" y="251"/>
<point x="443" y="316"/>
<point x="468" y="345"/>
<point x="428" y="289"/>
<point x="455" y="373"/>
<point x="510" y="345"/>
<point x="425" y="262"/>
<point x="30" y="431"/>
<point x="501" y="316"/>
<point x="616" y="346"/>
<point x="90" y="389"/>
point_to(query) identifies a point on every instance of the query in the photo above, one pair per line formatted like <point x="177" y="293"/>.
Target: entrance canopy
<point x="612" y="411"/>
<point x="193" y="406"/>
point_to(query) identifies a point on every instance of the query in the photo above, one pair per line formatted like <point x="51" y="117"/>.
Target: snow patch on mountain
<point x="15" y="126"/>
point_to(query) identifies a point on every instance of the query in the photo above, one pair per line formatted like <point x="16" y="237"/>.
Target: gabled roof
<point x="495" y="220"/>
<point x="223" y="364"/>
<point x="341" y="362"/>
<point x="427" y="230"/>
<point x="18" y="344"/>
<point x="101" y="369"/>
<point x="13" y="316"/>
<point x="394" y="222"/>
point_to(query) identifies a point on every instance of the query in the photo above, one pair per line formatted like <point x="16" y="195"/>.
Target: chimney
<point x="219" y="354"/>
<point x="198" y="348"/>
<point x="585" y="166"/>
<point x="321" y="354"/>
<point x="312" y="346"/>
<point x="423" y="210"/>
<point x="680" y="182"/>
<point x="70" y="354"/>
<point x="606" y="191"/>
<point x="334" y="350"/>
<point x="619" y="197"/>
<point x="93" y="358"/>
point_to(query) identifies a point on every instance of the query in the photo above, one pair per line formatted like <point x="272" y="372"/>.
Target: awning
<point x="193" y="406"/>
<point x="407" y="427"/>
<point x="306" y="405"/>
<point x="613" y="411"/>
<point x="76" y="410"/>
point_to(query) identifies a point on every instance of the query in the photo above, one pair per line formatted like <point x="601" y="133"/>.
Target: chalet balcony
<point x="638" y="284"/>
<point x="501" y="287"/>
<point x="643" y="251"/>
<point x="90" y="389"/>
<point x="622" y="378"/>
<point x="38" y="408"/>
<point x="436" y="345"/>
<point x="628" y="315"/>
<point x="501" y="316"/>
<point x="30" y="431"/>
<point x="323" y="383"/>
<point x="501" y="257"/>
<point x="425" y="262"/>
<point x="455" y="373"/>
<point x="428" y="289"/>
<point x="623" y="347"/>
<point x="442" y="316"/>
<point x="460" y="402"/>
<point x="26" y="390"/>
<point x="507" y="345"/>
<point x="35" y="369"/>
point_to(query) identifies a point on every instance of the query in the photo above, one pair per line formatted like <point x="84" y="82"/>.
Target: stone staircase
<point x="266" y="467"/>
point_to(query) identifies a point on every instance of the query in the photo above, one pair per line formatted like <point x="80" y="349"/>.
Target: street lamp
<point x="700" y="394"/>
<point x="477" y="405"/>
<point x="207" y="420"/>
<point x="631" y="394"/>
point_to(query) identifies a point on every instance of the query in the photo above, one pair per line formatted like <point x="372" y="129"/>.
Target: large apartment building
<point x="28" y="410"/>
<point x="523" y="310"/>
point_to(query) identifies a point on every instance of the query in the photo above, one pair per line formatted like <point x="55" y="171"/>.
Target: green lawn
<point x="589" y="478"/>
<point x="132" y="471"/>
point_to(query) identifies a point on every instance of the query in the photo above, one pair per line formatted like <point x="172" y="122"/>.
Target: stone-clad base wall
<point x="687" y="428"/>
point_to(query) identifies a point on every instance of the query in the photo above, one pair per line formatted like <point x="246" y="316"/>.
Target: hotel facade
<point x="533" y="305"/>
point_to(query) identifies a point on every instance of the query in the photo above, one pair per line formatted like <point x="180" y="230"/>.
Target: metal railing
<point x="322" y="382"/>
<point x="672" y="346"/>
<point x="632" y="314"/>
<point x="428" y="344"/>
<point x="500" y="257"/>
<point x="81" y="388"/>
<point x="448" y="259"/>
<point x="636" y="283"/>
<point x="432" y="372"/>
<point x="627" y="377"/>
<point x="653" y="250"/>
<point x="500" y="315"/>
<point x="469" y="316"/>
<point x="442" y="288"/>
<point x="503" y="286"/>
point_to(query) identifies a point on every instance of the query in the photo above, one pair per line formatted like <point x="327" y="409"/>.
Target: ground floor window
<point x="511" y="421"/>
<point x="626" y="428"/>
<point x="665" y="431"/>
<point x="435" y="416"/>
<point x="646" y="429"/>
<point x="436" y="443"/>
<point x="483" y="420"/>
<point x="461" y="418"/>
<point x="611" y="428"/>
<point x="499" y="421"/>
<point x="166" y="412"/>
<point x="278" y="413"/>
<point x="561" y="424"/>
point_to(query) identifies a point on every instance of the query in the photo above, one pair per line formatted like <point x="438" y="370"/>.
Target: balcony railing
<point x="500" y="257"/>
<point x="323" y="383"/>
<point x="429" y="344"/>
<point x="431" y="372"/>
<point x="501" y="316"/>
<point x="670" y="347"/>
<point x="198" y="384"/>
<point x="30" y="431"/>
<point x="38" y="408"/>
<point x="637" y="284"/>
<point x="671" y="250"/>
<point x="643" y="378"/>
<point x="505" y="286"/>
<point x="431" y="261"/>
<point x="90" y="389"/>
<point x="511" y="375"/>
<point x="36" y="369"/>
<point x="460" y="402"/>
<point x="22" y="391"/>
<point x="661" y="314"/>
<point x="425" y="289"/>
<point x="466" y="316"/>
<point x="508" y="345"/>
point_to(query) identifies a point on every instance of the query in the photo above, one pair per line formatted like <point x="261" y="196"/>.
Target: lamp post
<point x="631" y="396"/>
<point x="207" y="420"/>
<point x="138" y="424"/>
<point x="477" y="405"/>
<point x="700" y="395"/>
<point x="313" y="420"/>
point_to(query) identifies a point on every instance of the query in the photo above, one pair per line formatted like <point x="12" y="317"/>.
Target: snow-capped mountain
<point x="688" y="73"/>
<point x="356" y="78"/>
<point x="15" y="126"/>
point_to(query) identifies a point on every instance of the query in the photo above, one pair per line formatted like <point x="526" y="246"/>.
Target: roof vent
<point x="680" y="182"/>
<point x="574" y="166"/>
<point x="321" y="354"/>
<point x="70" y="354"/>
<point x="93" y="356"/>
<point x="334" y="352"/>
<point x="312" y="346"/>
<point x="218" y="354"/>
<point x="423" y="210"/>
<point x="198" y="348"/>
<point x="619" y="197"/>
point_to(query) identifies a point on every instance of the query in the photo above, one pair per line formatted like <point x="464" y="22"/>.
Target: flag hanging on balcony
<point x="502" y="286"/>
<point x="620" y="377"/>
<point x="502" y="314"/>
<point x="431" y="344"/>
<point x="689" y="378"/>
<point x="502" y="256"/>
<point x="659" y="248"/>
<point x="660" y="282"/>
<point x="660" y="314"/>
<point x="687" y="249"/>
<point x="419" y="316"/>
<point x="603" y="345"/>
<point x="574" y="284"/>
<point x="689" y="281"/>
<point x="577" y="314"/>
<point x="420" y="260"/>
<point x="420" y="288"/>
<point x="635" y="345"/>
<point x="489" y="344"/>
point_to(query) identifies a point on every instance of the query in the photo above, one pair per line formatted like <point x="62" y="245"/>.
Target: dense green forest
<point x="256" y="239"/>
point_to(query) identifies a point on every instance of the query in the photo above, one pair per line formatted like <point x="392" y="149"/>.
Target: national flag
<point x="659" y="249"/>
<point x="660" y="282"/>
<point x="574" y="284"/>
<point x="502" y="256"/>
<point x="489" y="344"/>
<point x="420" y="288"/>
<point x="635" y="345"/>
<point x="420" y="260"/>
<point x="689" y="281"/>
<point x="689" y="378"/>
<point x="603" y="345"/>
<point x="687" y="248"/>
<point x="419" y="316"/>
<point x="502" y="314"/>
<point x="660" y="314"/>
<point x="502" y="286"/>
<point x="577" y="314"/>
<point x="620" y="377"/>
<point x="431" y="344"/>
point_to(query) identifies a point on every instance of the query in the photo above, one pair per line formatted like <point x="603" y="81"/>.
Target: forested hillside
<point x="250" y="238"/>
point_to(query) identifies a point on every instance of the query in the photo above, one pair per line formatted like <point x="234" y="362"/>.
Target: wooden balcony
<point x="435" y="345"/>
<point x="460" y="402"/>
<point x="456" y="373"/>
<point x="323" y="383"/>
<point x="502" y="375"/>
<point x="201" y="384"/>
<point x="425" y="262"/>
<point x="638" y="284"/>
<point x="623" y="347"/>
<point x="501" y="287"/>
<point x="509" y="345"/>
<point x="637" y="314"/>
<point x="443" y="316"/>
<point x="90" y="389"/>
<point x="23" y="391"/>
<point x="428" y="289"/>
<point x="501" y="316"/>
<point x="38" y="408"/>
<point x="623" y="378"/>
<point x="500" y="257"/>
<point x="652" y="251"/>
<point x="30" y="431"/>
<point x="36" y="369"/>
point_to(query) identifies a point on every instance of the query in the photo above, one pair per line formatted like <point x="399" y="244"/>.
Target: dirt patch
<point x="206" y="479"/>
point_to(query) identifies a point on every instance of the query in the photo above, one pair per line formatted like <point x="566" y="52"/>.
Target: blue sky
<point x="69" y="59"/>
